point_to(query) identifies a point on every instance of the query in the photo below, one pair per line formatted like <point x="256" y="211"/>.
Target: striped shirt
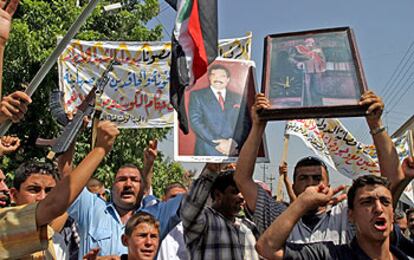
<point x="208" y="234"/>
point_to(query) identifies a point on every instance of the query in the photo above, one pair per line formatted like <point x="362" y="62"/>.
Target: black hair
<point x="219" y="67"/>
<point x="26" y="169"/>
<point x="133" y="166"/>
<point x="309" y="161"/>
<point x="224" y="180"/>
<point x="363" y="181"/>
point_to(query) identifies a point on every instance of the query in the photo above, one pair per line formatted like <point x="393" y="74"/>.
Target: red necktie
<point x="221" y="100"/>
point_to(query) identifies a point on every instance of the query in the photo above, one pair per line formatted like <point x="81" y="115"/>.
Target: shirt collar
<point x="222" y="91"/>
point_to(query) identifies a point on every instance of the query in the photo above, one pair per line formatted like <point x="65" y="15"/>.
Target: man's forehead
<point x="310" y="170"/>
<point x="218" y="71"/>
<point x="39" y="179"/>
<point x="128" y="172"/>
<point x="375" y="191"/>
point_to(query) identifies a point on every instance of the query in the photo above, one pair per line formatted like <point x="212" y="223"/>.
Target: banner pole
<point x="279" y="190"/>
<point x="51" y="60"/>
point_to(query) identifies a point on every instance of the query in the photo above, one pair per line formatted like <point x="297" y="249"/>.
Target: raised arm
<point x="14" y="106"/>
<point x="9" y="144"/>
<point x="66" y="191"/>
<point x="150" y="154"/>
<point x="387" y="155"/>
<point x="283" y="173"/>
<point x="407" y="167"/>
<point x="247" y="158"/>
<point x="6" y="13"/>
<point x="271" y="244"/>
<point x="192" y="206"/>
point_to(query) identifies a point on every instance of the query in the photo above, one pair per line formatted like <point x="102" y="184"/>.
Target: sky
<point x="384" y="35"/>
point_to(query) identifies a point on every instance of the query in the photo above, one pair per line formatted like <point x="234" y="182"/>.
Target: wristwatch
<point x="377" y="130"/>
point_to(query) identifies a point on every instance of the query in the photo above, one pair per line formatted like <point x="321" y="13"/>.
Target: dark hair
<point x="133" y="166"/>
<point x="174" y="185"/>
<point x="130" y="165"/>
<point x="141" y="217"/>
<point x="26" y="169"/>
<point x="409" y="211"/>
<point x="363" y="181"/>
<point x="224" y="180"/>
<point x="219" y="67"/>
<point x="309" y="161"/>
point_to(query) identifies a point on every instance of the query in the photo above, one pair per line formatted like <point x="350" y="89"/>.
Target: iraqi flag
<point x="194" y="47"/>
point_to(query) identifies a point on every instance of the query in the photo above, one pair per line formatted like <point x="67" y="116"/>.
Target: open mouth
<point x="380" y="224"/>
<point x="3" y="199"/>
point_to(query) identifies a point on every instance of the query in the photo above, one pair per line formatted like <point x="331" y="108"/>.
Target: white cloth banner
<point x="137" y="95"/>
<point x="334" y="144"/>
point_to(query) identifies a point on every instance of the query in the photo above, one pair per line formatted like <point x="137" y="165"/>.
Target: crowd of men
<point x="60" y="212"/>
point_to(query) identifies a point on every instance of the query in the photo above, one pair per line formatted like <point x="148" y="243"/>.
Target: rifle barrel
<point x="50" y="61"/>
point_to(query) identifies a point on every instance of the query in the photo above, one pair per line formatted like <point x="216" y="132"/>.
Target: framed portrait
<point x="218" y="111"/>
<point x="312" y="74"/>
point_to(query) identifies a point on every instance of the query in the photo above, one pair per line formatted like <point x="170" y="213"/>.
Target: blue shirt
<point x="100" y="224"/>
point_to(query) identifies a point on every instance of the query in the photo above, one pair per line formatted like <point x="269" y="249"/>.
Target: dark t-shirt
<point x="327" y="250"/>
<point x="311" y="220"/>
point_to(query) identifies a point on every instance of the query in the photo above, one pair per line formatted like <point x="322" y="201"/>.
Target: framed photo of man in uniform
<point x="218" y="111"/>
<point x="312" y="74"/>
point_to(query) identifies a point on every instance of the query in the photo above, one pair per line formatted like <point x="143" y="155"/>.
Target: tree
<point x="36" y="27"/>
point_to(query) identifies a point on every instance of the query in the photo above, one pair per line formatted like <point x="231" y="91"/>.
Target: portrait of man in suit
<point x="218" y="115"/>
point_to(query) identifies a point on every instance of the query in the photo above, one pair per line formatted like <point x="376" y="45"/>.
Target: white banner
<point x="334" y="144"/>
<point x="137" y="95"/>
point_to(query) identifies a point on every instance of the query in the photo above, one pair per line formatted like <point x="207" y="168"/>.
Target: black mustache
<point x="127" y="192"/>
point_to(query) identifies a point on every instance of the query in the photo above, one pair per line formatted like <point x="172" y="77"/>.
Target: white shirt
<point x="222" y="92"/>
<point x="173" y="246"/>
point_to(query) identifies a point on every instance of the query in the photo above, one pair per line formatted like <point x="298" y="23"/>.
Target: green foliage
<point x="34" y="36"/>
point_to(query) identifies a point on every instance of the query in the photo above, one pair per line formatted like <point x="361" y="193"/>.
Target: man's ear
<point x="217" y="195"/>
<point x="13" y="193"/>
<point x="351" y="216"/>
<point x="294" y="189"/>
<point x="124" y="239"/>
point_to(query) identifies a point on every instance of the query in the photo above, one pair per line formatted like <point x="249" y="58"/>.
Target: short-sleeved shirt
<point x="333" y="224"/>
<point x="100" y="224"/>
<point x="19" y="234"/>
<point x="327" y="250"/>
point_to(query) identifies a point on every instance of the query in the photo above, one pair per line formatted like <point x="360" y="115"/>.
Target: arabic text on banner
<point x="137" y="95"/>
<point x="329" y="139"/>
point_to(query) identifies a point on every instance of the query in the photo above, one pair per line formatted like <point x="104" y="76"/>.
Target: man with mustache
<point x="218" y="116"/>
<point x="101" y="224"/>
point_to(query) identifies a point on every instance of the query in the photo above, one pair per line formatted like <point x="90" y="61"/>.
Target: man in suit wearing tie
<point x="218" y="116"/>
